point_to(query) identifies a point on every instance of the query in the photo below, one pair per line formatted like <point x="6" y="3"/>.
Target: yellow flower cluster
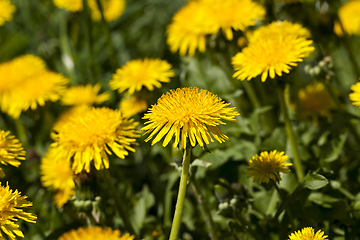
<point x="25" y="83"/>
<point x="7" y="11"/>
<point x="191" y="24"/>
<point x="189" y="114"/>
<point x="95" y="233"/>
<point x="307" y="233"/>
<point x="112" y="9"/>
<point x="11" y="151"/>
<point x="11" y="209"/>
<point x="272" y="50"/>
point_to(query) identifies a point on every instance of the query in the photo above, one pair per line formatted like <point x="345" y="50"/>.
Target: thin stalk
<point x="203" y="209"/>
<point x="249" y="88"/>
<point x="291" y="135"/>
<point x="287" y="208"/>
<point x="89" y="42"/>
<point x="21" y="132"/>
<point x="118" y="203"/>
<point x="113" y="58"/>
<point x="181" y="195"/>
<point x="350" y="49"/>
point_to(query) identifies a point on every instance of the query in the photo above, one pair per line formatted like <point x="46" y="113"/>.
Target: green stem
<point x="350" y="49"/>
<point x="113" y="58"/>
<point x="252" y="95"/>
<point x="21" y="133"/>
<point x="204" y="209"/>
<point x="291" y="135"/>
<point x="118" y="203"/>
<point x="66" y="50"/>
<point x="89" y="43"/>
<point x="181" y="195"/>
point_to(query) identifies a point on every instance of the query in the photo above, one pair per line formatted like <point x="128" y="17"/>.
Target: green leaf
<point x="314" y="181"/>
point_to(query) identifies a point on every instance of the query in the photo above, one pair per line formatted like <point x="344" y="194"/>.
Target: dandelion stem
<point x="249" y="88"/>
<point x="118" y="203"/>
<point x="204" y="209"/>
<point x="350" y="49"/>
<point x="113" y="58"/>
<point x="21" y="132"/>
<point x="181" y="195"/>
<point x="291" y="135"/>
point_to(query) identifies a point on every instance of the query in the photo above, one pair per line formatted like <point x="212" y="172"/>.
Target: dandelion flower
<point x="315" y="100"/>
<point x="355" y="96"/>
<point x="307" y="233"/>
<point x="189" y="27"/>
<point x="272" y="53"/>
<point x="234" y="14"/>
<point x="89" y="136"/>
<point x="57" y="174"/>
<point x="349" y="17"/>
<point x="87" y="95"/>
<point x="95" y="233"/>
<point x="132" y="106"/>
<point x="11" y="151"/>
<point x="268" y="166"/>
<point x="70" y="5"/>
<point x="138" y="73"/>
<point x="188" y="113"/>
<point x="11" y="209"/>
<point x="7" y="11"/>
<point x="112" y="9"/>
<point x="32" y="86"/>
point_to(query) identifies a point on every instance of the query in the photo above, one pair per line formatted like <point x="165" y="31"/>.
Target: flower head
<point x="88" y="135"/>
<point x="315" y="100"/>
<point x="95" y="233"/>
<point x="113" y="9"/>
<point x="188" y="113"/>
<point x="32" y="86"/>
<point x="70" y="5"/>
<point x="190" y="25"/>
<point x="234" y="14"/>
<point x="131" y="106"/>
<point x="138" y="73"/>
<point x="349" y="17"/>
<point x="307" y="233"/>
<point x="87" y="95"/>
<point x="7" y="10"/>
<point x="58" y="175"/>
<point x="355" y="96"/>
<point x="11" y="151"/>
<point x="11" y="209"/>
<point x="268" y="166"/>
<point x="272" y="51"/>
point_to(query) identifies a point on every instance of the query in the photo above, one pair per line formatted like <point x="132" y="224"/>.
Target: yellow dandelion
<point x="279" y="27"/>
<point x="271" y="54"/>
<point x="87" y="95"/>
<point x="7" y="11"/>
<point x="112" y="9"/>
<point x="188" y="113"/>
<point x="89" y="136"/>
<point x="132" y="106"/>
<point x="95" y="233"/>
<point x="70" y="5"/>
<point x="349" y="17"/>
<point x="315" y="100"/>
<point x="307" y="233"/>
<point x="32" y="86"/>
<point x="234" y="14"/>
<point x="57" y="174"/>
<point x="355" y="96"/>
<point x="11" y="151"/>
<point x="69" y="113"/>
<point x="189" y="27"/>
<point x="11" y="209"/>
<point x="138" y="73"/>
<point x="268" y="166"/>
